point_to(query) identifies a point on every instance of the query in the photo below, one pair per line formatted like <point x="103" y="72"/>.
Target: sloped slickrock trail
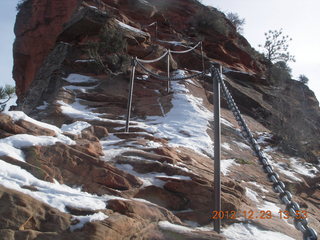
<point x="68" y="170"/>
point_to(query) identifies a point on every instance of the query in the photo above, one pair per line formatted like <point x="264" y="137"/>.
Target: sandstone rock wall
<point x="37" y="26"/>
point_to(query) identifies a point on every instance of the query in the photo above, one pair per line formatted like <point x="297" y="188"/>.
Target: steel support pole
<point x="168" y="69"/>
<point x="202" y="57"/>
<point x="217" y="147"/>
<point x="156" y="33"/>
<point x="129" y="105"/>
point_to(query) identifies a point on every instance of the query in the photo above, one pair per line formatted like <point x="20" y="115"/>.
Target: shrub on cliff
<point x="6" y="93"/>
<point x="236" y="21"/>
<point x="275" y="50"/>
<point x="279" y="72"/>
<point x="303" y="79"/>
<point x="112" y="41"/>
<point x="110" y="49"/>
<point x="275" y="47"/>
<point x="211" y="19"/>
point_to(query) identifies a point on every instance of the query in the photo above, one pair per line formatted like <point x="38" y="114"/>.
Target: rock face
<point x="36" y="29"/>
<point x="92" y="180"/>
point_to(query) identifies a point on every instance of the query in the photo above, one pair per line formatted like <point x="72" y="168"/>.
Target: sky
<point x="298" y="19"/>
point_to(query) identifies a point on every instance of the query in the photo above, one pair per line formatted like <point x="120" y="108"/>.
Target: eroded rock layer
<point x="91" y="180"/>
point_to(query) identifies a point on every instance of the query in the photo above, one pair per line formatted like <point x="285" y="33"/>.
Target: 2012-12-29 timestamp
<point x="259" y="214"/>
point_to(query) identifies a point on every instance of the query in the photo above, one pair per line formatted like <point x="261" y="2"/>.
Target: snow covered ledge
<point x="10" y="146"/>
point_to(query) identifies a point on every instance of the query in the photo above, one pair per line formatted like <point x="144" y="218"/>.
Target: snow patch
<point x="43" y="106"/>
<point x="149" y="179"/>
<point x="56" y="195"/>
<point x="269" y="206"/>
<point x="188" y="115"/>
<point x="18" y="115"/>
<point x="305" y="168"/>
<point x="226" y="164"/>
<point x="89" y="218"/>
<point x="242" y="231"/>
<point x="241" y="145"/>
<point x="77" y="78"/>
<point x="165" y="225"/>
<point x="130" y="28"/>
<point x="226" y="146"/>
<point x="76" y="127"/>
<point x="8" y="150"/>
<point x="26" y="140"/>
<point x="226" y="122"/>
<point x="252" y="195"/>
<point x="260" y="187"/>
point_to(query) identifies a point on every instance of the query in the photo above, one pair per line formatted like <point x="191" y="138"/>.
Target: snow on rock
<point x="242" y="231"/>
<point x="188" y="115"/>
<point x="242" y="145"/>
<point x="78" y="111"/>
<point x="89" y="218"/>
<point x="10" y="146"/>
<point x="18" y="115"/>
<point x="260" y="187"/>
<point x="26" y="140"/>
<point x="226" y="146"/>
<point x="56" y="195"/>
<point x="280" y="167"/>
<point x="226" y="122"/>
<point x="43" y="106"/>
<point x="269" y="206"/>
<point x="8" y="150"/>
<point x="226" y="164"/>
<point x="130" y="28"/>
<point x="149" y="179"/>
<point x="77" y="78"/>
<point x="165" y="225"/>
<point x="263" y="136"/>
<point x="76" y="127"/>
<point x="252" y="195"/>
<point x="305" y="168"/>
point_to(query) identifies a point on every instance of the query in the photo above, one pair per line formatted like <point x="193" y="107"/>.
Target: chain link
<point x="153" y="60"/>
<point x="186" y="51"/>
<point x="164" y="78"/>
<point x="278" y="186"/>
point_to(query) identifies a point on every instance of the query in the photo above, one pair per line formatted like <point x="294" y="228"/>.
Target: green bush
<point x="279" y="72"/>
<point x="303" y="79"/>
<point x="109" y="50"/>
<point x="211" y="19"/>
<point x="112" y="41"/>
<point x="236" y="21"/>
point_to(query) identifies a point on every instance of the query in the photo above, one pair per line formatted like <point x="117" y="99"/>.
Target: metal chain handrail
<point x="153" y="60"/>
<point x="164" y="78"/>
<point x="186" y="51"/>
<point x="278" y="186"/>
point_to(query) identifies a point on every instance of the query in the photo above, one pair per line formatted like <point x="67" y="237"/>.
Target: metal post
<point x="129" y="105"/>
<point x="217" y="148"/>
<point x="168" y="69"/>
<point x="202" y="58"/>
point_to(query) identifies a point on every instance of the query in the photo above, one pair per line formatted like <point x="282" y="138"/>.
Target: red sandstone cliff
<point x="36" y="29"/>
<point x="155" y="182"/>
<point x="40" y="23"/>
